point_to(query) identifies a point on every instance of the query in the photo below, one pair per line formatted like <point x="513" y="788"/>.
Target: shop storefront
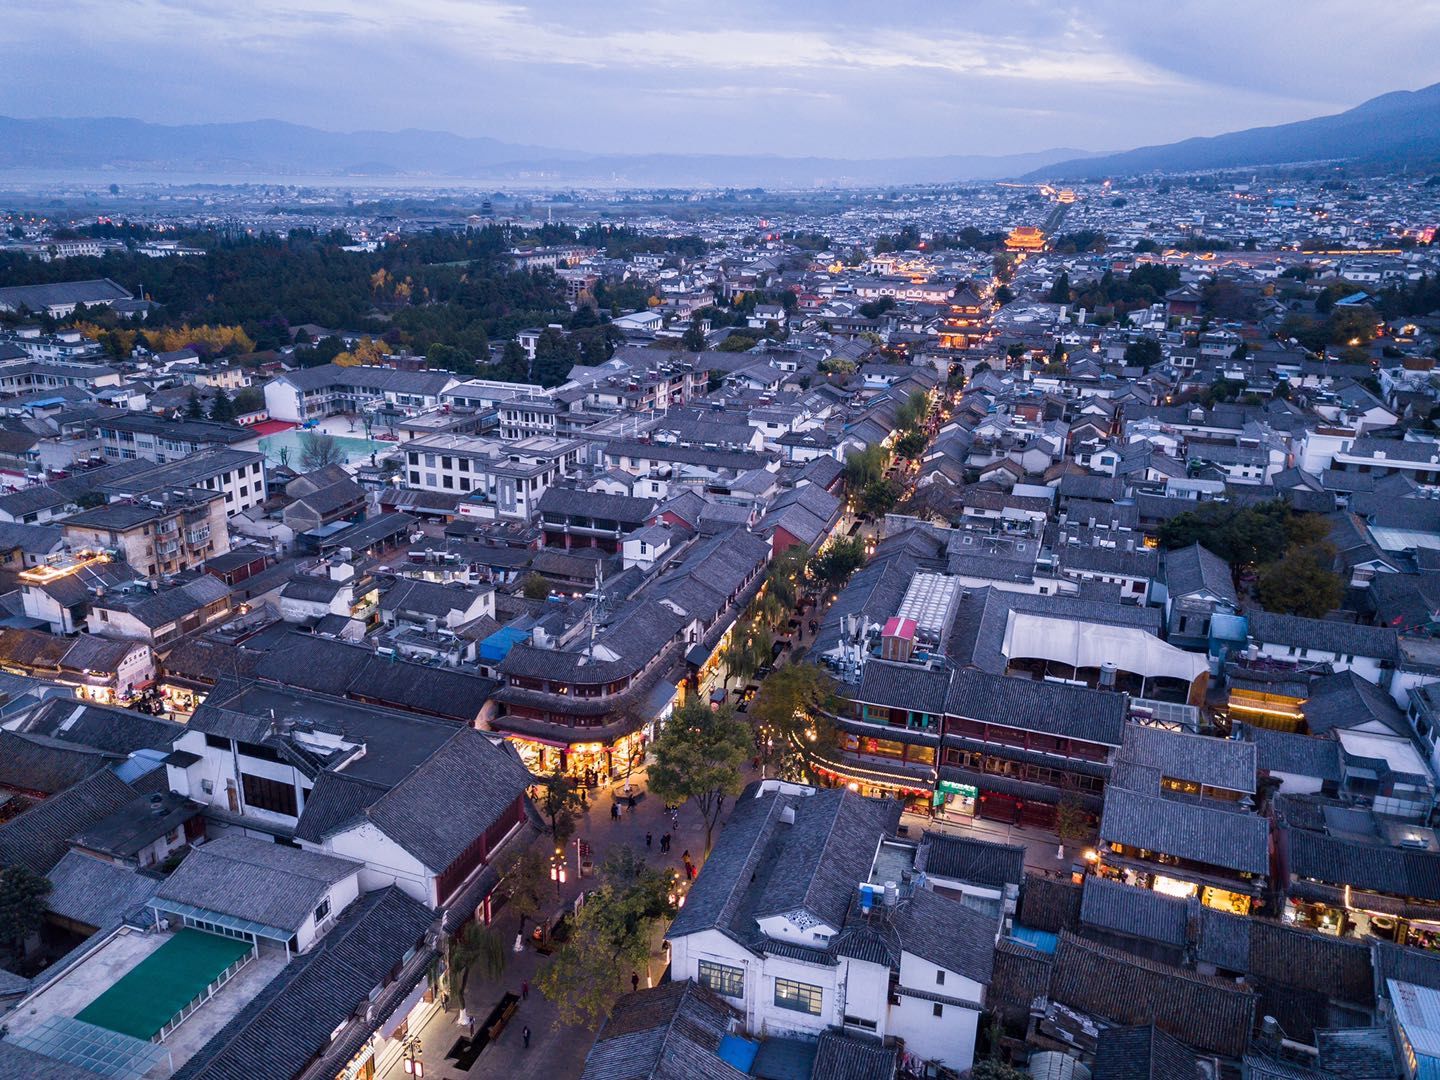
<point x="594" y="762"/>
<point x="957" y="800"/>
<point x="1357" y="922"/>
<point x="1212" y="896"/>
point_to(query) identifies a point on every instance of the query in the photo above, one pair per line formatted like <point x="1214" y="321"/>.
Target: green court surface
<point x="149" y="995"/>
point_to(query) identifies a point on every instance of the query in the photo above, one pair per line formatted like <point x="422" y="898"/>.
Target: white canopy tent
<point x="1091" y="645"/>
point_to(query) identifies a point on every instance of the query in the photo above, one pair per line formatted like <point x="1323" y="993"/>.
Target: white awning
<point x="1090" y="645"/>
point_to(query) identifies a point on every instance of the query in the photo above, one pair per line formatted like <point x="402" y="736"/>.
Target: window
<point x="938" y="1009"/>
<point x="939" y="978"/>
<point x="323" y="911"/>
<point x="722" y="978"/>
<point x="798" y="996"/>
<point x="217" y="742"/>
<point x="262" y="793"/>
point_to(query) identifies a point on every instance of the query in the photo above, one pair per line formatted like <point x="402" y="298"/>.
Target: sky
<point x="836" y="78"/>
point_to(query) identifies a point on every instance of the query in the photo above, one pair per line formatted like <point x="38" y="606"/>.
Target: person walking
<point x="524" y="989"/>
<point x="614" y="811"/>
<point x="525" y="1035"/>
<point x="630" y="801"/>
<point x="649" y="838"/>
<point x="635" y="982"/>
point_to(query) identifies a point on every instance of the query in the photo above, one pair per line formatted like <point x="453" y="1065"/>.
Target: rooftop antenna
<point x="597" y="605"/>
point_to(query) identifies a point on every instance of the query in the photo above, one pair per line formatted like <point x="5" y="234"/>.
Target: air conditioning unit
<point x="207" y="786"/>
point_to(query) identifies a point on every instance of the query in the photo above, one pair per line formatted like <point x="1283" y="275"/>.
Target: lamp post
<point x="557" y="869"/>
<point x="412" y="1050"/>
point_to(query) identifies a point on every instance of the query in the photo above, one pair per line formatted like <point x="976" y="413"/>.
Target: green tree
<point x="790" y="712"/>
<point x="864" y="467"/>
<point x="475" y="948"/>
<point x="912" y="410"/>
<point x="833" y="566"/>
<point x="610" y="937"/>
<point x="1072" y="821"/>
<point x="698" y="758"/>
<point x="1060" y="291"/>
<point x="694" y="338"/>
<point x="535" y="587"/>
<point x="22" y="905"/>
<point x="318" y="450"/>
<point x="736" y="343"/>
<point x="558" y="803"/>
<point x="1144" y="353"/>
<point x="911" y="445"/>
<point x="878" y="498"/>
<point x="194" y="409"/>
<point x="1302" y="583"/>
<point x="525" y="883"/>
<point x="222" y="409"/>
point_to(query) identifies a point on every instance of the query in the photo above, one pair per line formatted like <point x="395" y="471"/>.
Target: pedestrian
<point x="635" y="981"/>
<point x="690" y="870"/>
<point x="685" y="856"/>
<point x="648" y="840"/>
<point x="614" y="811"/>
<point x="525" y="1034"/>
<point x="630" y="801"/>
<point x="665" y="844"/>
<point x="524" y="989"/>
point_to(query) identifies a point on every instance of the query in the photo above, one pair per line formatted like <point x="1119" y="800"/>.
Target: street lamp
<point x="412" y="1049"/>
<point x="557" y="869"/>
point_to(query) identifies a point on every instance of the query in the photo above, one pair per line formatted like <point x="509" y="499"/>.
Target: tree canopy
<point x="698" y="757"/>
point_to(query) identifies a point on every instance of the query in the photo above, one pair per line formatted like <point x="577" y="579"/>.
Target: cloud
<point x="984" y="76"/>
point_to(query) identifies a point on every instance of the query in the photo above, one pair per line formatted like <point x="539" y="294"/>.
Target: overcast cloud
<point x="838" y="78"/>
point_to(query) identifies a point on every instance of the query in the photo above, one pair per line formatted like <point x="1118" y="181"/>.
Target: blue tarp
<point x="738" y="1052"/>
<point x="1036" y="939"/>
<point x="497" y="646"/>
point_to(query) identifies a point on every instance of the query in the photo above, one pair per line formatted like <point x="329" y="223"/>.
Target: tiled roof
<point x="95" y="892"/>
<point x="292" y="1019"/>
<point x="1195" y="570"/>
<point x="669" y="1032"/>
<point x="1049" y="904"/>
<point x="255" y="880"/>
<point x="1142" y="1053"/>
<point x="1363" y="865"/>
<point x="975" y="862"/>
<point x="1379" y="642"/>
<point x="1208" y="1014"/>
<point x="1052" y="708"/>
<point x="1200" y="759"/>
<point x="36" y="838"/>
<point x="1226" y="838"/>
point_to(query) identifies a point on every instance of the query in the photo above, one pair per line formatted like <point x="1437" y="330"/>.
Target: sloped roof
<point x="256" y="880"/>
<point x="669" y="1032"/>
<point x="37" y="838"/>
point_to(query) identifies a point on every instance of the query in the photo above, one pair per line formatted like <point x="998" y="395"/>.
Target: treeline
<point x="453" y="290"/>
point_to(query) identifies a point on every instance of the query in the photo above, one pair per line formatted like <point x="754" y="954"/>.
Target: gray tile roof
<point x="37" y="838"/>
<point x="1226" y="838"/>
<point x="1142" y="1053"/>
<point x="474" y="779"/>
<point x="947" y="933"/>
<point x="257" y="880"/>
<point x="114" y="731"/>
<point x="763" y="865"/>
<point x="1196" y="570"/>
<point x="975" y="862"/>
<point x="1301" y="755"/>
<point x="903" y="686"/>
<point x="1199" y="759"/>
<point x="847" y="1057"/>
<point x="1379" y="642"/>
<point x="668" y="1032"/>
<point x="98" y="893"/>
<point x="1075" y="712"/>
<point x="1208" y="1014"/>
<point x="292" y="1019"/>
<point x="1365" y="865"/>
<point x="43" y="765"/>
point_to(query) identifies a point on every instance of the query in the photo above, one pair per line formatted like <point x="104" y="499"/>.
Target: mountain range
<point x="275" y="150"/>
<point x="1400" y="127"/>
<point x="1397" y="128"/>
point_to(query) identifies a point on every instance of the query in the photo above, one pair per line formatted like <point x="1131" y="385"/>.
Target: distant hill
<point x="1403" y="126"/>
<point x="274" y="150"/>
